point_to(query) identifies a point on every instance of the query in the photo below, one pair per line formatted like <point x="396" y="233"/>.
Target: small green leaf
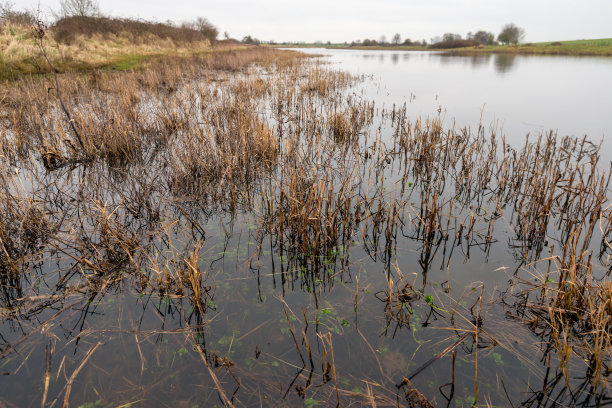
<point x="497" y="358"/>
<point x="310" y="402"/>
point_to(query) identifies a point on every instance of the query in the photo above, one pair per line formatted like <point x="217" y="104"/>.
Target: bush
<point x="250" y="40"/>
<point x="204" y="26"/>
<point x="454" y="44"/>
<point x="66" y="29"/>
<point x="10" y="16"/>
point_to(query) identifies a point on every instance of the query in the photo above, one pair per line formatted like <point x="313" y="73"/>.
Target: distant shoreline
<point x="595" y="47"/>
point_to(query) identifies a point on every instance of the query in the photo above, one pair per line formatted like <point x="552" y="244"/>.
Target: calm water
<point x="517" y="94"/>
<point x="259" y="314"/>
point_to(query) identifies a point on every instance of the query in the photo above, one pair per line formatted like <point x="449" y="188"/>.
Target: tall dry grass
<point x="85" y="43"/>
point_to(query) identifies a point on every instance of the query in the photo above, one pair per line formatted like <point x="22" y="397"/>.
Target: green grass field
<point x="602" y="42"/>
<point x="601" y="47"/>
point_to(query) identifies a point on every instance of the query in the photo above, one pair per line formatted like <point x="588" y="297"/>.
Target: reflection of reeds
<point x="571" y="309"/>
<point x="319" y="170"/>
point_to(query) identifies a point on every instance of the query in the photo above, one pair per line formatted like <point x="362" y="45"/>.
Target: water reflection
<point x="505" y="63"/>
<point x="466" y="83"/>
<point x="366" y="229"/>
<point x="473" y="61"/>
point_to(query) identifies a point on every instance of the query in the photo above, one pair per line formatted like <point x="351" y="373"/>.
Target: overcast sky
<point x="347" y="20"/>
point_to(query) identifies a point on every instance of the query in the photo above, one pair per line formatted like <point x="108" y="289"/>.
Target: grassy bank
<point x="594" y="47"/>
<point x="97" y="43"/>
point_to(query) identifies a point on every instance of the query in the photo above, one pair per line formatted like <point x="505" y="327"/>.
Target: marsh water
<point x="519" y="94"/>
<point x="284" y="327"/>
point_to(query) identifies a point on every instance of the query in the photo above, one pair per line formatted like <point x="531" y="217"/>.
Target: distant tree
<point x="8" y="15"/>
<point x="483" y="37"/>
<point x="407" y="41"/>
<point x="80" y="8"/>
<point x="367" y="42"/>
<point x="397" y="39"/>
<point x="206" y="28"/>
<point x="451" y="37"/>
<point x="226" y="35"/>
<point x="511" y="34"/>
<point x="250" y="40"/>
<point x="383" y="39"/>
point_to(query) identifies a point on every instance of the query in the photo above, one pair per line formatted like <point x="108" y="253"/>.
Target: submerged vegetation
<point x="249" y="227"/>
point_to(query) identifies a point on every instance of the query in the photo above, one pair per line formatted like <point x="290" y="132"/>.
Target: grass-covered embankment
<point x="85" y="43"/>
<point x="595" y="47"/>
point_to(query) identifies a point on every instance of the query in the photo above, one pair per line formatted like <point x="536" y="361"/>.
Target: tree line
<point x="509" y="34"/>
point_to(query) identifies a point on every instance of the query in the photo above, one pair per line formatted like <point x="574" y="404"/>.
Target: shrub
<point x="10" y="16"/>
<point x="454" y="44"/>
<point x="66" y="29"/>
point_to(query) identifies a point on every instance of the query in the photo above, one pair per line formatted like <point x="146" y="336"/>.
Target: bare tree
<point x="81" y="8"/>
<point x="483" y="37"/>
<point x="207" y="28"/>
<point x="20" y="17"/>
<point x="250" y="40"/>
<point x="511" y="34"/>
<point x="451" y="37"/>
<point x="397" y="39"/>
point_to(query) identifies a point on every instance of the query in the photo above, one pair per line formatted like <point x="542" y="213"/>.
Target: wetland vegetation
<point x="252" y="228"/>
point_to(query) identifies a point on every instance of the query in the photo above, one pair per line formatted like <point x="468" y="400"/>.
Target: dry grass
<point x="72" y="47"/>
<point x="68" y="29"/>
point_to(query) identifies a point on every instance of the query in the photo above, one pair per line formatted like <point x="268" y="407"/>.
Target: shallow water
<point x="286" y="329"/>
<point x="518" y="94"/>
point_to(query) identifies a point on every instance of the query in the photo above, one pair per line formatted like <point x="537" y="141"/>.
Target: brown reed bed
<point x="118" y="191"/>
<point x="565" y="299"/>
